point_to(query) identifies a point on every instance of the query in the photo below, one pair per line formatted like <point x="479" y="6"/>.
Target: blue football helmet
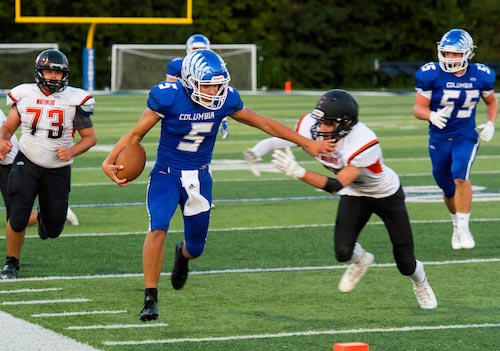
<point x="202" y="68"/>
<point x="196" y="42"/>
<point x="459" y="41"/>
<point x="51" y="60"/>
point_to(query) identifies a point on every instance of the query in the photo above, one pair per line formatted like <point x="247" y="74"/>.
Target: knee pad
<point x="343" y="253"/>
<point x="18" y="221"/>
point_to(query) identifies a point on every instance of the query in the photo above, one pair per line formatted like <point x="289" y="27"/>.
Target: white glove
<point x="440" y="117"/>
<point x="224" y="128"/>
<point x="284" y="161"/>
<point x="488" y="129"/>
<point x="252" y="160"/>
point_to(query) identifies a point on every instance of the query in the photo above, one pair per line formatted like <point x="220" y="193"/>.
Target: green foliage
<point x="315" y="44"/>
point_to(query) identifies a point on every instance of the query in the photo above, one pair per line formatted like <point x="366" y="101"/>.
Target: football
<point x="133" y="159"/>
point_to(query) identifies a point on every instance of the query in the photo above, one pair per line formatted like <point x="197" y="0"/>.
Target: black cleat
<point x="180" y="270"/>
<point x="9" y="271"/>
<point x="150" y="310"/>
<point x="41" y="229"/>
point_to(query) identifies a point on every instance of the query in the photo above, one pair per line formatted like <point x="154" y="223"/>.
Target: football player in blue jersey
<point x="190" y="112"/>
<point x="448" y="92"/>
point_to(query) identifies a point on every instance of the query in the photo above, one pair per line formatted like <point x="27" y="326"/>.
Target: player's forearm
<point x="265" y="146"/>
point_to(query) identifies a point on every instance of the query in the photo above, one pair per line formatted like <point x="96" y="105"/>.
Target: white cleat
<point x="466" y="239"/>
<point x="455" y="239"/>
<point x="71" y="217"/>
<point x="355" y="272"/>
<point x="425" y="295"/>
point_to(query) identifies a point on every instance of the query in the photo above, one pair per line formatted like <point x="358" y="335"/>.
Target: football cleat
<point x="180" y="270"/>
<point x="42" y="233"/>
<point x="355" y="272"/>
<point x="425" y="295"/>
<point x="150" y="310"/>
<point x="455" y="239"/>
<point x="71" y="217"/>
<point x="9" y="271"/>
<point x="466" y="239"/>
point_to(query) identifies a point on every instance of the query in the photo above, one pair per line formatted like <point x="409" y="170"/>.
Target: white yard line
<point x="306" y="333"/>
<point x="79" y="313"/>
<point x="116" y="326"/>
<point x="43" y="302"/>
<point x="243" y="270"/>
<point x="18" y="335"/>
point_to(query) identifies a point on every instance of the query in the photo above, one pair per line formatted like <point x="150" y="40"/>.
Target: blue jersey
<point x="188" y="130"/>
<point x="174" y="68"/>
<point x="463" y="93"/>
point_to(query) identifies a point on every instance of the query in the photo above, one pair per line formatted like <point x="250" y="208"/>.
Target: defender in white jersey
<point x="366" y="186"/>
<point x="448" y="93"/>
<point x="49" y="112"/>
<point x="5" y="167"/>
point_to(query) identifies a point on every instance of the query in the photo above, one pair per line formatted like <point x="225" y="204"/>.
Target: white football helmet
<point x="196" y="42"/>
<point x="201" y="68"/>
<point x="455" y="40"/>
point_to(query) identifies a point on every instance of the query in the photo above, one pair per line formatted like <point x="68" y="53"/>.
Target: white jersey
<point x="361" y="149"/>
<point x="9" y="158"/>
<point x="47" y="121"/>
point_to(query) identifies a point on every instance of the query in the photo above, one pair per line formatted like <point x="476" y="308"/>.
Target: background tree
<point x="315" y="44"/>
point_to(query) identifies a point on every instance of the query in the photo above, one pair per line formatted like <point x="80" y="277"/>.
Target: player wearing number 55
<point x="448" y="92"/>
<point x="190" y="112"/>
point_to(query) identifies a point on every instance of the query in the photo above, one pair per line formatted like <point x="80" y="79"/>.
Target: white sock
<point x="463" y="221"/>
<point x="454" y="219"/>
<point x="419" y="275"/>
<point x="357" y="253"/>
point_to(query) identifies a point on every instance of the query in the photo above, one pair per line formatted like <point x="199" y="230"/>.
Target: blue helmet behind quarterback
<point x="197" y="42"/>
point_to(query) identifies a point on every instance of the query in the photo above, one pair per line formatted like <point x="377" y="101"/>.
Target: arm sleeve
<point x="265" y="146"/>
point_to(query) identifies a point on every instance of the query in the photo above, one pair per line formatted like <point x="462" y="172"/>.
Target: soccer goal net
<point x="140" y="66"/>
<point x="17" y="62"/>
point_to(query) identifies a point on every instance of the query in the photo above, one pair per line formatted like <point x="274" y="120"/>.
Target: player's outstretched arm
<point x="275" y="128"/>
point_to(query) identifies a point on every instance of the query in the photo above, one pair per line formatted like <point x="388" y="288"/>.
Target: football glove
<point x="488" y="129"/>
<point x="440" y="117"/>
<point x="224" y="128"/>
<point x="284" y="161"/>
<point x="252" y="160"/>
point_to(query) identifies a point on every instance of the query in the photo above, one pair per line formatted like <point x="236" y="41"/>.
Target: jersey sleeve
<point x="486" y="76"/>
<point x="366" y="155"/>
<point x="174" y="68"/>
<point x="162" y="95"/>
<point x="425" y="77"/>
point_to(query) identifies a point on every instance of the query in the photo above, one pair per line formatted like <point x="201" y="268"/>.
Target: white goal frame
<point x="24" y="72"/>
<point x="229" y="50"/>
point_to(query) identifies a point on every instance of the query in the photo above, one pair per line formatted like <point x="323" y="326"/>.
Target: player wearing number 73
<point x="190" y="112"/>
<point x="448" y="92"/>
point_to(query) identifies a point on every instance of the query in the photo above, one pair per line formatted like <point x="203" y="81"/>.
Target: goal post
<point x="17" y="62"/>
<point x="140" y="66"/>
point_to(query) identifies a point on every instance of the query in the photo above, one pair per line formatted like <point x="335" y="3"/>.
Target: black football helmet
<point x="339" y="106"/>
<point x="56" y="60"/>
